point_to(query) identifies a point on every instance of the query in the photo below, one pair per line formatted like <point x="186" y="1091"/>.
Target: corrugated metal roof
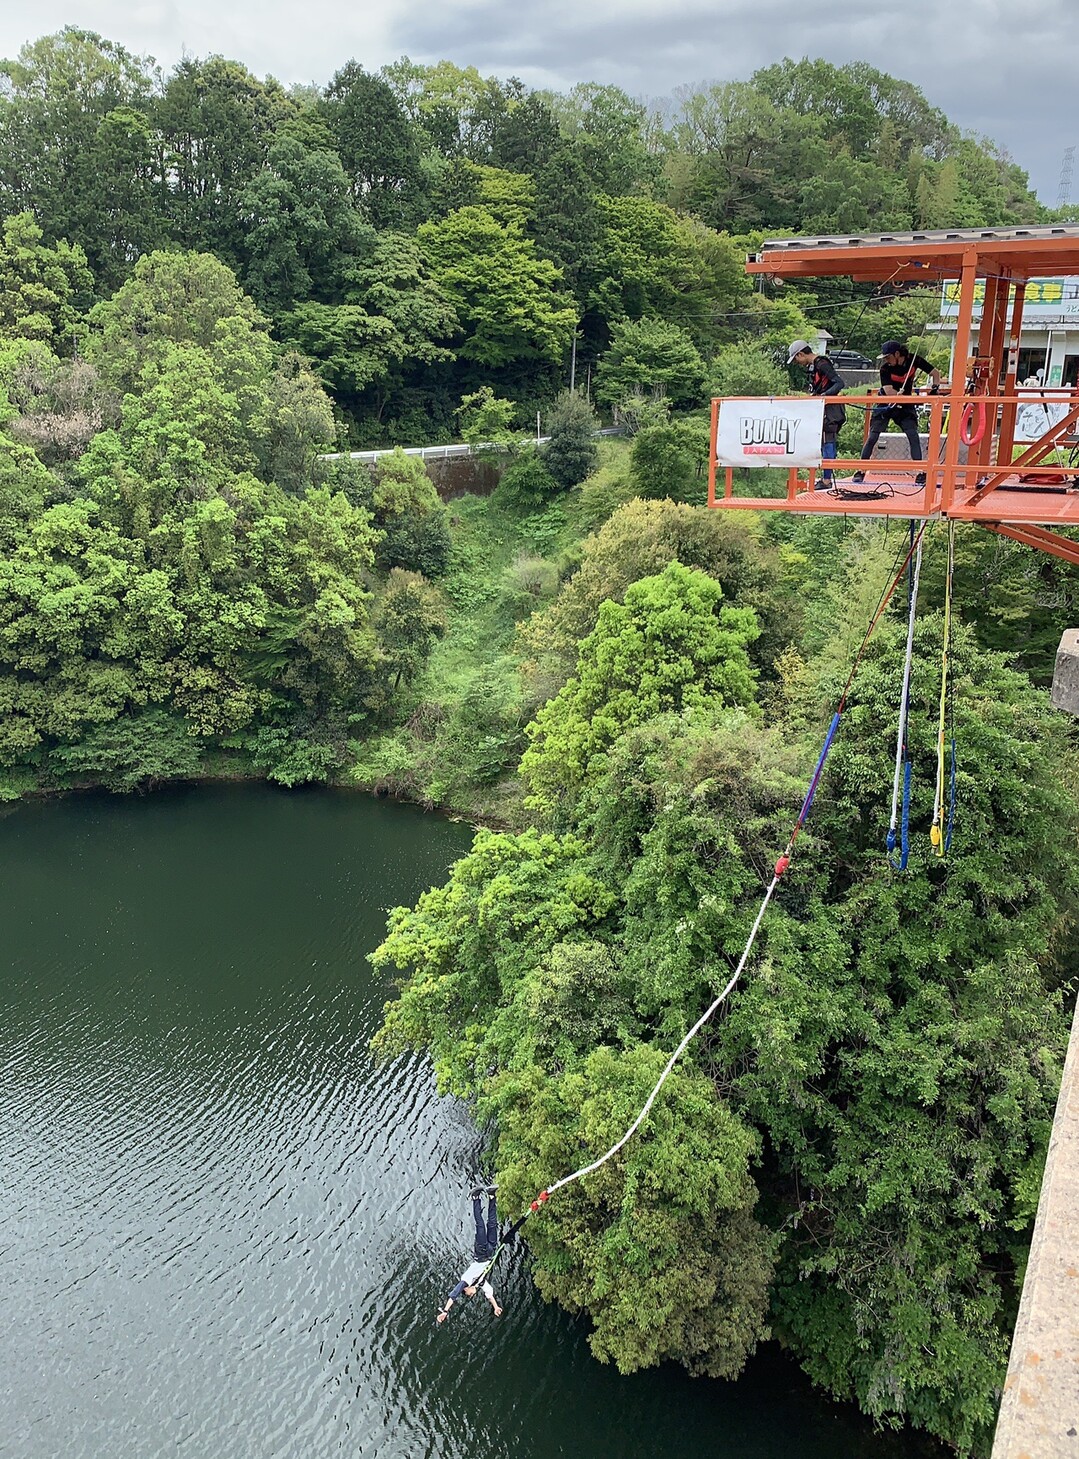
<point x="925" y="235"/>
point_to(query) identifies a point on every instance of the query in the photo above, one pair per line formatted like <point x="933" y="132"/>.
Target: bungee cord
<point x="781" y="865"/>
<point x="940" y="832"/>
<point x="903" y="765"/>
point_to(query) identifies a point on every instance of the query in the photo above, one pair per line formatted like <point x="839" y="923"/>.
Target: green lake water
<point x="224" y="1231"/>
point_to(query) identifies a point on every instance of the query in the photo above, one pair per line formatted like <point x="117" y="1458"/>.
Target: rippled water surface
<point x="223" y="1232"/>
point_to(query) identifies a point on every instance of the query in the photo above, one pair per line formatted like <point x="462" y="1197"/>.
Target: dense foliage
<point x="850" y="1157"/>
<point x="169" y="590"/>
<point x="423" y="230"/>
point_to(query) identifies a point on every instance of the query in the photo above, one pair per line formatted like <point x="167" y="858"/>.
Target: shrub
<point x="571" y="453"/>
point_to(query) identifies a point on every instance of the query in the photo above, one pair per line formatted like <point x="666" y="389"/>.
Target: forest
<point x="212" y="287"/>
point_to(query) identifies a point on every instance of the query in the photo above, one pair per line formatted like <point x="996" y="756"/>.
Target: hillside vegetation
<point x="210" y="287"/>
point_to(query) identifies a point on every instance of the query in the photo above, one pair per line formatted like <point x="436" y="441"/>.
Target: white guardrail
<point x="444" y="453"/>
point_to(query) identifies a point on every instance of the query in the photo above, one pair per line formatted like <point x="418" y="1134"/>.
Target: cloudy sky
<point x="997" y="67"/>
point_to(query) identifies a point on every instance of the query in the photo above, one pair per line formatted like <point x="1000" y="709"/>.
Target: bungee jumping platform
<point x="977" y="467"/>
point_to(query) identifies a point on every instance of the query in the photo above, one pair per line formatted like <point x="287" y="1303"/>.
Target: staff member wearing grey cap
<point x="824" y="379"/>
<point x="897" y="370"/>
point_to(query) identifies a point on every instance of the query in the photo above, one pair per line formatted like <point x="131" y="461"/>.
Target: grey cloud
<point x="996" y="68"/>
<point x="992" y="68"/>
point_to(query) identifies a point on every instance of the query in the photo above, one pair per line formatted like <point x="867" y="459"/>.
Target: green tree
<point x="454" y="109"/>
<point x="301" y="228"/>
<point x="608" y="127"/>
<point x="568" y="226"/>
<point x="405" y="504"/>
<point x="217" y="123"/>
<point x="746" y="156"/>
<point x="746" y="369"/>
<point x="895" y="1046"/>
<point x="671" y="461"/>
<point x="25" y="487"/>
<point x="507" y="299"/>
<point x="651" y="262"/>
<point x="667" y="645"/>
<point x="408" y="618"/>
<point x="527" y="136"/>
<point x="126" y="162"/>
<point x="566" y="1072"/>
<point x="654" y="356"/>
<point x="485" y="418"/>
<point x="854" y="103"/>
<point x="527" y="481"/>
<point x="396" y="323"/>
<point x="571" y="452"/>
<point x="131" y="753"/>
<point x="937" y="1081"/>
<point x="639" y="540"/>
<point x="75" y="147"/>
<point x="178" y="299"/>
<point x="376" y="144"/>
<point x="300" y="424"/>
<point x="42" y="289"/>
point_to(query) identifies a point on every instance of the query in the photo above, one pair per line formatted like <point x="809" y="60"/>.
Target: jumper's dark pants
<point x="905" y="417"/>
<point x="486" y="1235"/>
<point x="829" y="450"/>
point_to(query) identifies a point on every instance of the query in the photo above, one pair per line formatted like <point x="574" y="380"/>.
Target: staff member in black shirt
<point x="897" y="370"/>
<point x="824" y="379"/>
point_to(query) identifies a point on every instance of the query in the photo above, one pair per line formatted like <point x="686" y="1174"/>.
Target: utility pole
<point x="573" y="364"/>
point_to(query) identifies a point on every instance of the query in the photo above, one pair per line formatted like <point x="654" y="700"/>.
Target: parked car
<point x="851" y="360"/>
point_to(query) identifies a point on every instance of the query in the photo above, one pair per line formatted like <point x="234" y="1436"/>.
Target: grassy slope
<point x="459" y="739"/>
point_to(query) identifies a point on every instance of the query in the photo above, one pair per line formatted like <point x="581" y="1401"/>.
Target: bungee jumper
<point x="474" y="1276"/>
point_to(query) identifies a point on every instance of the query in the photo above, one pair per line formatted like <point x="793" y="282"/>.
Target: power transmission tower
<point x="1064" y="192"/>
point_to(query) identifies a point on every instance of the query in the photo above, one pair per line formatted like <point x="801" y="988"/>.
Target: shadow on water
<point x="223" y="1230"/>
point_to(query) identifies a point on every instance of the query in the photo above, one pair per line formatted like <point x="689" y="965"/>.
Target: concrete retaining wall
<point x="1039" y="1412"/>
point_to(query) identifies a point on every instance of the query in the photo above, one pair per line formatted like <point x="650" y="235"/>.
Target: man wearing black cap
<point x="824" y="379"/>
<point x="897" y="370"/>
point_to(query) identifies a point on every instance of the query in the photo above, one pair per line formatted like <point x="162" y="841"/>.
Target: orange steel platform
<point x="977" y="482"/>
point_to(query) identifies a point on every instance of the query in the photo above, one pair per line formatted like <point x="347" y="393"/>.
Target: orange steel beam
<point x="712" y="455"/>
<point x="903" y="260"/>
<point x="1039" y="538"/>
<point x="983" y="451"/>
<point x="1005" y="263"/>
<point x="967" y="278"/>
<point x="989" y="313"/>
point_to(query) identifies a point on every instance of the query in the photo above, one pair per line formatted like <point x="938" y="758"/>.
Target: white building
<point x="1050" y="337"/>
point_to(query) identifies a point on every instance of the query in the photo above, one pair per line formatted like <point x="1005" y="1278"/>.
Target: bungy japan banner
<point x="770" y="432"/>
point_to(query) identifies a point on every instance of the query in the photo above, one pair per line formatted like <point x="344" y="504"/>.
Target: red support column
<point x="959" y="374"/>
